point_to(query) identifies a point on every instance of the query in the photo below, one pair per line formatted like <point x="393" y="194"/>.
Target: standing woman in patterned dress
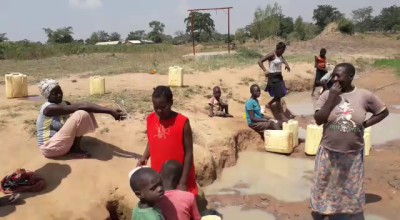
<point x="275" y="84"/>
<point x="338" y="181"/>
<point x="169" y="138"/>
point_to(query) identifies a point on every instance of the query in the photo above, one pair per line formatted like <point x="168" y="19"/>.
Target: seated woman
<point x="58" y="133"/>
<point x="255" y="119"/>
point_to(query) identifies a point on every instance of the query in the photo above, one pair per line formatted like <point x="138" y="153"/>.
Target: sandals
<point x="7" y="200"/>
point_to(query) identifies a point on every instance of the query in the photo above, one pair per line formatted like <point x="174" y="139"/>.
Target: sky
<point x="25" y="19"/>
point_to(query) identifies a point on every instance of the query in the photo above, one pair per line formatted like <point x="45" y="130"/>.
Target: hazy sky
<point x="25" y="19"/>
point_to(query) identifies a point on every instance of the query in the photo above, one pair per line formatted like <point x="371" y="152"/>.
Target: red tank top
<point x="321" y="61"/>
<point x="165" y="139"/>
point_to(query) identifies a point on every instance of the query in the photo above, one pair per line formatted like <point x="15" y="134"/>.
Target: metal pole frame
<point x="210" y="9"/>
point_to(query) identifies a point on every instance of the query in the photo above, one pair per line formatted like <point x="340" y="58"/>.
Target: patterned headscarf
<point x="136" y="169"/>
<point x="46" y="85"/>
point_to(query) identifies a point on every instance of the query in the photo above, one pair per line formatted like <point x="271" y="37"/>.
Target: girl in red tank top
<point x="169" y="138"/>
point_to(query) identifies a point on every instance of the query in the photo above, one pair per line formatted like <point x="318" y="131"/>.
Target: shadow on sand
<point x="101" y="150"/>
<point x="53" y="173"/>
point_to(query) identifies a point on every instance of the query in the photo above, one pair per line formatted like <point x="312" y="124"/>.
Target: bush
<point x="243" y="52"/>
<point x="396" y="28"/>
<point x="346" y="26"/>
<point x="33" y="51"/>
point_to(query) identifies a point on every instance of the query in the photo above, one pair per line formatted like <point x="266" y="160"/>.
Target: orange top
<point x="321" y="62"/>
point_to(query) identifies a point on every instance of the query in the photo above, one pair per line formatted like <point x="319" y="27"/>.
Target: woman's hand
<point x="335" y="90"/>
<point x="287" y="68"/>
<point x="117" y="114"/>
<point x="141" y="162"/>
<point x="266" y="73"/>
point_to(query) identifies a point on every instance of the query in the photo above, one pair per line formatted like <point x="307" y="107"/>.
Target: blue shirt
<point x="252" y="104"/>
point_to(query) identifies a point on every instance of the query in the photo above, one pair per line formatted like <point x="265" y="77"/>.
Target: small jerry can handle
<point x="96" y="77"/>
<point x="15" y="74"/>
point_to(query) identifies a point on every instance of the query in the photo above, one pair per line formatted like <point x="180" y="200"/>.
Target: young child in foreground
<point x="217" y="106"/>
<point x="176" y="204"/>
<point x="147" y="186"/>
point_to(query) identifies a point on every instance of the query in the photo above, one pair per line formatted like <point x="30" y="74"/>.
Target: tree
<point x="136" y="35"/>
<point x="362" y="18"/>
<point x="94" y="39"/>
<point x="103" y="36"/>
<point x="389" y="17"/>
<point x="325" y="14"/>
<point x="286" y="26"/>
<point x="299" y="28"/>
<point x="158" y="29"/>
<point x="346" y="26"/>
<point x="202" y="22"/>
<point x="59" y="36"/>
<point x="3" y="37"/>
<point x="240" y="35"/>
<point x="257" y="27"/>
<point x="114" y="36"/>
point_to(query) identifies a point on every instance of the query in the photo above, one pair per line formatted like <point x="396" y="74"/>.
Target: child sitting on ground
<point x="176" y="204"/>
<point x="217" y="106"/>
<point x="147" y="186"/>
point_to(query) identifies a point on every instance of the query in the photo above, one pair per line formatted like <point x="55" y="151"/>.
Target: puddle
<point x="374" y="217"/>
<point x="264" y="173"/>
<point x="385" y="130"/>
<point x="235" y="213"/>
<point x="395" y="107"/>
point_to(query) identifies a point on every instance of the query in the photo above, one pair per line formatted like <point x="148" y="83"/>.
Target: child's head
<point x="146" y="184"/>
<point x="322" y="53"/>
<point x="217" y="92"/>
<point x="171" y="173"/>
<point x="255" y="91"/>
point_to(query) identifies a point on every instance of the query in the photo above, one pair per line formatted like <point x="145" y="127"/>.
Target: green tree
<point x="362" y="18"/>
<point x="94" y="39"/>
<point x="59" y="36"/>
<point x="103" y="36"/>
<point x="325" y="14"/>
<point x="299" y="28"/>
<point x="114" y="36"/>
<point x="202" y="22"/>
<point x="156" y="34"/>
<point x="240" y="35"/>
<point x="286" y="26"/>
<point x="389" y="17"/>
<point x="346" y="26"/>
<point x="258" y="29"/>
<point x="273" y="18"/>
<point x="136" y="35"/>
<point x="3" y="37"/>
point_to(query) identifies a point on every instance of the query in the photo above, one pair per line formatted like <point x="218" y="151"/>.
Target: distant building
<point x="147" y="42"/>
<point x="109" y="43"/>
<point x="133" y="42"/>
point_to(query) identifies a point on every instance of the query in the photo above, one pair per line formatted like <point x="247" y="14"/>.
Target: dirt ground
<point x="78" y="189"/>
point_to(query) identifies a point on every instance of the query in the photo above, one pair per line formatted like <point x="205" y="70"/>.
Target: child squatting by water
<point x="217" y="106"/>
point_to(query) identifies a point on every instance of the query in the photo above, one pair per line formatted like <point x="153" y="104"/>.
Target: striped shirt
<point x="47" y="127"/>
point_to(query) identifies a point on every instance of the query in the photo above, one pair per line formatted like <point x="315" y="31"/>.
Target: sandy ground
<point x="78" y="189"/>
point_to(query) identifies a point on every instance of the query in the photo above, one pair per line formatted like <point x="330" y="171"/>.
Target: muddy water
<point x="264" y="173"/>
<point x="235" y="213"/>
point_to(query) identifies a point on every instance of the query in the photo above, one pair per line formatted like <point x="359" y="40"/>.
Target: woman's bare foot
<point x="229" y="116"/>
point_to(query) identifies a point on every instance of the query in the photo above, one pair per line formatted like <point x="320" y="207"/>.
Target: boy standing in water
<point x="321" y="70"/>
<point x="147" y="186"/>
<point x="176" y="204"/>
<point x="217" y="106"/>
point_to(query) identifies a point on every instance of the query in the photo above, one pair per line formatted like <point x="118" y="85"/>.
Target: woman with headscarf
<point x="58" y="133"/>
<point x="338" y="182"/>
